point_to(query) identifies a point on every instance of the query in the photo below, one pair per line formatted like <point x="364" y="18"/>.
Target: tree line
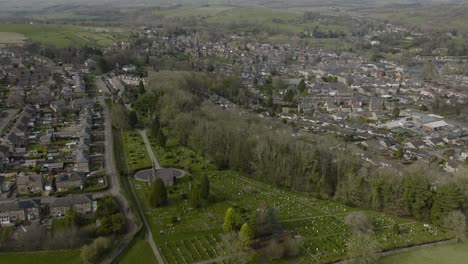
<point x="275" y="153"/>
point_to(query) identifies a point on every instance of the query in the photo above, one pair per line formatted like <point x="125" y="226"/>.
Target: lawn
<point x="187" y="235"/>
<point x="190" y="235"/>
<point x="140" y="253"/>
<point x="135" y="152"/>
<point x="64" y="35"/>
<point x="179" y="157"/>
<point x="49" y="257"/>
<point x="448" y="254"/>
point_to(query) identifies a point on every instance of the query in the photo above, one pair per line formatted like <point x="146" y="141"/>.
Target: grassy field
<point x="52" y="257"/>
<point x="11" y="38"/>
<point x="201" y="11"/>
<point x="188" y="235"/>
<point x="272" y="20"/>
<point x="448" y="254"/>
<point x="66" y="35"/>
<point x="446" y="18"/>
<point x="140" y="253"/>
<point x="135" y="152"/>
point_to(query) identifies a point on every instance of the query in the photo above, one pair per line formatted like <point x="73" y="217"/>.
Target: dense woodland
<point x="273" y="152"/>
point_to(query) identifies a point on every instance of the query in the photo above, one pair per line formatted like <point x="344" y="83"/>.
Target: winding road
<point x="115" y="184"/>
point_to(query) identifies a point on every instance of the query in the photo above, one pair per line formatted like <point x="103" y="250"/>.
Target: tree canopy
<point x="158" y="193"/>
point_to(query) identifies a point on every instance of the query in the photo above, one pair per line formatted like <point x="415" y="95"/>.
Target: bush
<point x="91" y="253"/>
<point x="359" y="223"/>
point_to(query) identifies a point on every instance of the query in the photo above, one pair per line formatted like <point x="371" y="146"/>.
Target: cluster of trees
<point x="261" y="229"/>
<point x="271" y="152"/>
<point x="158" y="193"/>
<point x="83" y="228"/>
<point x="98" y="248"/>
<point x="317" y="33"/>
<point x="363" y="246"/>
<point x="109" y="215"/>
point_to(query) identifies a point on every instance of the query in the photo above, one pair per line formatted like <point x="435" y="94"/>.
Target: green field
<point x="196" y="234"/>
<point x="135" y="152"/>
<point x="432" y="18"/>
<point x="275" y="21"/>
<point x="192" y="11"/>
<point x="448" y="254"/>
<point x="140" y="253"/>
<point x="66" y="35"/>
<point x="11" y="38"/>
<point x="50" y="257"/>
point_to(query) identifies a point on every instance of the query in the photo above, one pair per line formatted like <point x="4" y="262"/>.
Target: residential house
<point x="68" y="181"/>
<point x="416" y="144"/>
<point x="80" y="203"/>
<point x="82" y="161"/>
<point x="12" y="212"/>
<point x="30" y="184"/>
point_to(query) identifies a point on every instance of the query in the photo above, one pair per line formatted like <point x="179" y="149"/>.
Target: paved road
<point x="149" y="149"/>
<point x="149" y="236"/>
<point x="114" y="183"/>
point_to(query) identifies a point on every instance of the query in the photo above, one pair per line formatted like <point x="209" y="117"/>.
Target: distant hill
<point x="435" y="17"/>
<point x="45" y="3"/>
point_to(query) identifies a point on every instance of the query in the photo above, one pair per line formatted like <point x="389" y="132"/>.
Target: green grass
<point x="49" y="257"/>
<point x="448" y="254"/>
<point x="11" y="38"/>
<point x="135" y="152"/>
<point x="174" y="156"/>
<point x="65" y="35"/>
<point x="140" y="253"/>
<point x="320" y="224"/>
<point x="200" y="11"/>
<point x="274" y="21"/>
<point x="190" y="235"/>
<point x="432" y="18"/>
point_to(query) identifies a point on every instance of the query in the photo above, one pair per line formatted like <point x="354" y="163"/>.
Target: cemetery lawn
<point x="450" y="254"/>
<point x="44" y="257"/>
<point x="187" y="235"/>
<point x="140" y="253"/>
<point x="136" y="155"/>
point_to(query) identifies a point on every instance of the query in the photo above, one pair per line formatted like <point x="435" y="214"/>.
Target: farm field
<point x="50" y="257"/>
<point x="272" y="20"/>
<point x="140" y="253"/>
<point x="447" y="254"/>
<point x="11" y="38"/>
<point x="187" y="235"/>
<point x="192" y="11"/>
<point x="65" y="35"/>
<point x="447" y="18"/>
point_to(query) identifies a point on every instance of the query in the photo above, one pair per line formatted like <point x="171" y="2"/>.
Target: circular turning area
<point x="166" y="174"/>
